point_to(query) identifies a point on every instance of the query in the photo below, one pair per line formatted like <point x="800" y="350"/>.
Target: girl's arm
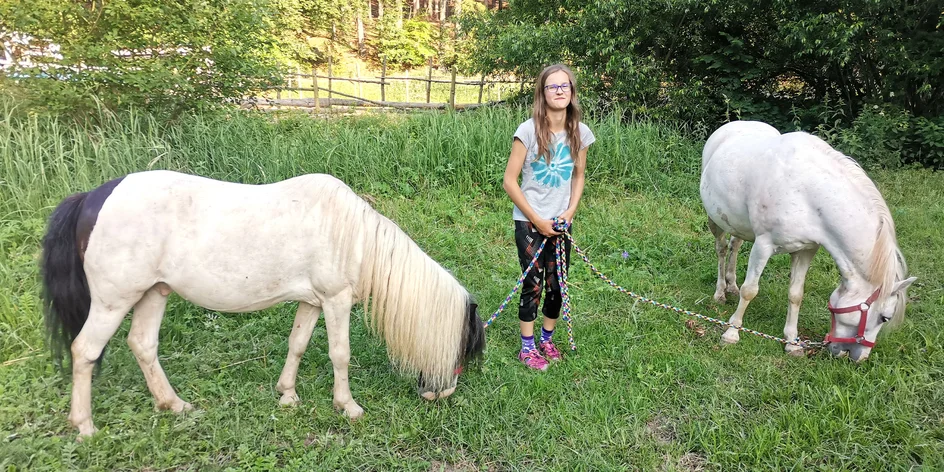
<point x="510" y="184"/>
<point x="576" y="185"/>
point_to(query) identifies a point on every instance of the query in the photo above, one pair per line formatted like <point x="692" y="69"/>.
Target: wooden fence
<point x="325" y="96"/>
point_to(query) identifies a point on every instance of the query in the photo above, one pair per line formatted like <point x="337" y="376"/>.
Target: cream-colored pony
<point x="793" y="193"/>
<point x="237" y="248"/>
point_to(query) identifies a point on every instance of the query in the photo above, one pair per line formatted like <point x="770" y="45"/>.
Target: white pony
<point x="236" y="248"/>
<point x="793" y="193"/>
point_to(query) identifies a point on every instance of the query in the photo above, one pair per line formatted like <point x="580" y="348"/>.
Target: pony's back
<point x="733" y="129"/>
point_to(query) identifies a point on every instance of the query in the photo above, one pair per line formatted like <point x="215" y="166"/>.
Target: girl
<point x="549" y="151"/>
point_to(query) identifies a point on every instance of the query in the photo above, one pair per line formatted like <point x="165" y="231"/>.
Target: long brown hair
<point x="542" y="128"/>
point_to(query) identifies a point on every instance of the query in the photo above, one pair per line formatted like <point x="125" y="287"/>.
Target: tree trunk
<point x="442" y="10"/>
<point x="429" y="9"/>
<point x="398" y="5"/>
<point x="380" y="9"/>
<point x="415" y="9"/>
<point x="457" y="12"/>
<point x="361" y="49"/>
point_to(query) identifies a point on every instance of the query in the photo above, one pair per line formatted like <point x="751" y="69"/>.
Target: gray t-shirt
<point x="547" y="187"/>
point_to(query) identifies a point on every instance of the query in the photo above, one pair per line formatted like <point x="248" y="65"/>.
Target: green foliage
<point x="884" y="135"/>
<point x="160" y="55"/>
<point x="409" y="46"/>
<point x="780" y="61"/>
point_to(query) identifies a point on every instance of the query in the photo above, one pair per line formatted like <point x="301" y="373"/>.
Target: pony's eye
<point x="885" y="319"/>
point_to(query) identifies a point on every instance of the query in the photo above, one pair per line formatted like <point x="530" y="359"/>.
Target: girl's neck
<point x="556" y="119"/>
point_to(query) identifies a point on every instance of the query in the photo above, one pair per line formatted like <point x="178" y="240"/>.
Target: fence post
<point x="429" y="78"/>
<point x="330" y="74"/>
<point x="408" y="85"/>
<point x="357" y="71"/>
<point x="298" y="82"/>
<point x="452" y="90"/>
<point x="331" y="63"/>
<point x="314" y="85"/>
<point x="481" y="87"/>
<point x="383" y="81"/>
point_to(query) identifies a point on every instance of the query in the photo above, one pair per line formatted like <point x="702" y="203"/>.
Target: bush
<point x="884" y="135"/>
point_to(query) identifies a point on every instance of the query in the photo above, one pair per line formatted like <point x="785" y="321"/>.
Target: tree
<point x="149" y="53"/>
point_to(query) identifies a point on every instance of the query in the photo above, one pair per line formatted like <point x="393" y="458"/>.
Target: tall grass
<point x="42" y="160"/>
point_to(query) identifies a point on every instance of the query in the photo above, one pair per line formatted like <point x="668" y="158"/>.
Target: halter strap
<point x="863" y="309"/>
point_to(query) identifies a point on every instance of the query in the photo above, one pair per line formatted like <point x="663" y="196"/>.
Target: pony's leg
<point x="721" y="247"/>
<point x="142" y="339"/>
<point x="305" y="320"/>
<point x="337" y="314"/>
<point x="100" y="326"/>
<point x="799" y="265"/>
<point x="730" y="274"/>
<point x="760" y="253"/>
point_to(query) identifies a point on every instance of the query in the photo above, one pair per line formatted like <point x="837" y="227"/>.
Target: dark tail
<point x="66" y="298"/>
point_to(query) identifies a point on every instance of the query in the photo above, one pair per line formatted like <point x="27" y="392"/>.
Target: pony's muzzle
<point x="856" y="352"/>
<point x="430" y="394"/>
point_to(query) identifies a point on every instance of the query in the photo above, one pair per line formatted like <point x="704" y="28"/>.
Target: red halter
<point x="863" y="319"/>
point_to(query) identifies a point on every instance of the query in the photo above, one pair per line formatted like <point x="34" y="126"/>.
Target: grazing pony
<point x="793" y="193"/>
<point x="236" y="248"/>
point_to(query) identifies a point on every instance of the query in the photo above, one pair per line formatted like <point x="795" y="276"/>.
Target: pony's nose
<point x="428" y="393"/>
<point x="837" y="350"/>
<point x="859" y="353"/>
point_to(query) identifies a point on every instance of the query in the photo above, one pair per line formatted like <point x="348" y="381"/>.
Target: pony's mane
<point x="411" y="301"/>
<point x="887" y="264"/>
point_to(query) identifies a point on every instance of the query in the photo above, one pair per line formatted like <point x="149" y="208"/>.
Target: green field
<point x="643" y="392"/>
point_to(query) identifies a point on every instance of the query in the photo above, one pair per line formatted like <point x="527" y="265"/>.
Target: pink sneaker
<point x="550" y="351"/>
<point x="533" y="360"/>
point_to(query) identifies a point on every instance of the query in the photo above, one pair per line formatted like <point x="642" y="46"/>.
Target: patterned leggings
<point x="544" y="272"/>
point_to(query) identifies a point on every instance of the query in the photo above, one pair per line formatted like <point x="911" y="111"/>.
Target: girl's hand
<point x="546" y="228"/>
<point x="568" y="216"/>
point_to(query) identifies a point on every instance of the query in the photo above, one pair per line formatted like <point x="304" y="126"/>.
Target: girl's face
<point x="558" y="90"/>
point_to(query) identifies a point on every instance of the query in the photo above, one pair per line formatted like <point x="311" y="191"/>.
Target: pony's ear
<point x="903" y="284"/>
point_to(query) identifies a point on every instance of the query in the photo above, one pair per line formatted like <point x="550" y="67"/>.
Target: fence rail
<point x="318" y="101"/>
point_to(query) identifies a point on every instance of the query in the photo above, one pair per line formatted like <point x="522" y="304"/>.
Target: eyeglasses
<point x="564" y="87"/>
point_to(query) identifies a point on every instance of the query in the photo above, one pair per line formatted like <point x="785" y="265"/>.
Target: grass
<point x="643" y="392"/>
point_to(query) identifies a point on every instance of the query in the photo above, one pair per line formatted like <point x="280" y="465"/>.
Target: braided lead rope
<point x="562" y="280"/>
<point x="524" y="274"/>
<point x="602" y="276"/>
<point x="565" y="297"/>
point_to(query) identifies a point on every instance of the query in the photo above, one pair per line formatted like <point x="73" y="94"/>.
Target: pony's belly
<point x="239" y="297"/>
<point x="231" y="305"/>
<point x="731" y="222"/>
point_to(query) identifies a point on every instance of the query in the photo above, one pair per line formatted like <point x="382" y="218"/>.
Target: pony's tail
<point x="66" y="298"/>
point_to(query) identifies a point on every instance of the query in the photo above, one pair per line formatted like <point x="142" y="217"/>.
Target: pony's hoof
<point x="730" y="337"/>
<point x="354" y="412"/>
<point x="795" y="351"/>
<point x="719" y="298"/>
<point x="86" y="432"/>
<point x="177" y="406"/>
<point x="289" y="400"/>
